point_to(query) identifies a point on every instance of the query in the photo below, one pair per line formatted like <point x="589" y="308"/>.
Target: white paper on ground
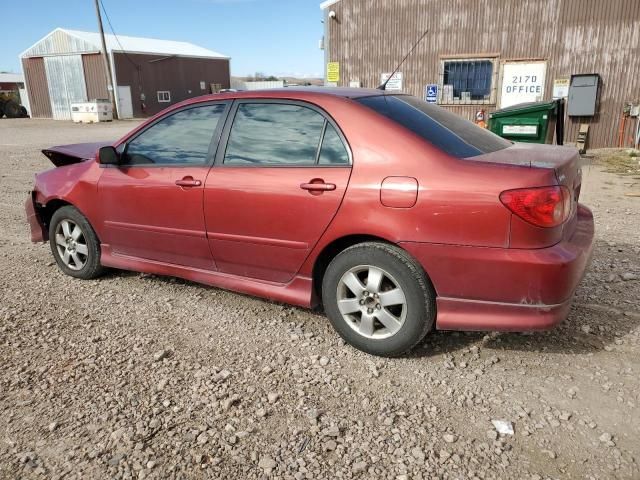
<point x="502" y="426"/>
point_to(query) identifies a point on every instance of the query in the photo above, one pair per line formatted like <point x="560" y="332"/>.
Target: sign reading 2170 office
<point x="522" y="82"/>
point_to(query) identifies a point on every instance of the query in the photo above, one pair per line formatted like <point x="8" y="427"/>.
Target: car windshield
<point x="447" y="131"/>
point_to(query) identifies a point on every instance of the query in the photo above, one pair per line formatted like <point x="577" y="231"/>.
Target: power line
<point x="116" y="36"/>
<point x="107" y="66"/>
<point x="134" y="63"/>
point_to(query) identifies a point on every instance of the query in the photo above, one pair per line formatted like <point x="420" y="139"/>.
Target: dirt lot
<point x="137" y="376"/>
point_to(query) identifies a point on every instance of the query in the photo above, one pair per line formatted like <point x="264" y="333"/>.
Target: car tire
<point x="74" y="244"/>
<point x="378" y="298"/>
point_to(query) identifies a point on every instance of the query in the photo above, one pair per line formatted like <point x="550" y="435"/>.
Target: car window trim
<point x="213" y="144"/>
<point x="224" y="140"/>
<point x="320" y="142"/>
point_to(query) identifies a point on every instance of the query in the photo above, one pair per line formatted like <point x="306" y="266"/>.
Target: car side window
<point x="333" y="151"/>
<point x="274" y="134"/>
<point x="182" y="138"/>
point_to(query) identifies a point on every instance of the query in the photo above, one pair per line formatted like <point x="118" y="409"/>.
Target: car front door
<point x="275" y="187"/>
<point x="152" y="200"/>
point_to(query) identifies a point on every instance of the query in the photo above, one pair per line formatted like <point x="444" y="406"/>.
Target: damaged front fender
<point x="39" y="232"/>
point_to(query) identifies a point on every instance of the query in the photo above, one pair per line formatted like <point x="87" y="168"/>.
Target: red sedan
<point x="394" y="214"/>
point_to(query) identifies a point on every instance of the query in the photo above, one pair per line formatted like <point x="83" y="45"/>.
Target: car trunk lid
<point x="62" y="155"/>
<point x="563" y="161"/>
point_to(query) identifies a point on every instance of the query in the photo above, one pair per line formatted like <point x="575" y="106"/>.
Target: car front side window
<point x="182" y="138"/>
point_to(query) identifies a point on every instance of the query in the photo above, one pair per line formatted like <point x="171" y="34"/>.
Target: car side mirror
<point x="108" y="156"/>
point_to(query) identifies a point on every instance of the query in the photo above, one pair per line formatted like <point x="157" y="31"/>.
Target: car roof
<point x="296" y="93"/>
<point x="287" y="93"/>
<point x="338" y="91"/>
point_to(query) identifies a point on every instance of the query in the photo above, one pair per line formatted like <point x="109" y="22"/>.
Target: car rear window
<point x="447" y="131"/>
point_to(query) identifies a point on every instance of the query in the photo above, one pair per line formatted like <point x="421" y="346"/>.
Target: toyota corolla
<point x="395" y="215"/>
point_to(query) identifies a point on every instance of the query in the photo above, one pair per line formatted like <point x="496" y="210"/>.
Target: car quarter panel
<point x="507" y="289"/>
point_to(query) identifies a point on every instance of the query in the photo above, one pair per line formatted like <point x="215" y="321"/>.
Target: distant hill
<point x="288" y="80"/>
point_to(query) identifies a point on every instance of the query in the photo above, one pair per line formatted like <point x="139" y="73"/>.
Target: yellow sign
<point x="333" y="72"/>
<point x="560" y="88"/>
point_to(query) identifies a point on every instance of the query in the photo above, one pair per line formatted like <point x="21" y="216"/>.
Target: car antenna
<point x="384" y="85"/>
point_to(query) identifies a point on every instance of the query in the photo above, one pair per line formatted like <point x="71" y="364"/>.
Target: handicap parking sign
<point x="431" y="93"/>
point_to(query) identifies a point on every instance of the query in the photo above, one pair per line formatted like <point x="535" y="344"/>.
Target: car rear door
<point x="275" y="187"/>
<point x="152" y="200"/>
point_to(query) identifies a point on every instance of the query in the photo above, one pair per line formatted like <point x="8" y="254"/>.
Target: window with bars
<point x="468" y="81"/>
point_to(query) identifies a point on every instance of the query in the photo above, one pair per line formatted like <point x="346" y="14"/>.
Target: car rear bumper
<point x="38" y="232"/>
<point x="506" y="288"/>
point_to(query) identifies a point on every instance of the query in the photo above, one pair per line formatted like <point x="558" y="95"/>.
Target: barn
<point x="66" y="66"/>
<point x="486" y="55"/>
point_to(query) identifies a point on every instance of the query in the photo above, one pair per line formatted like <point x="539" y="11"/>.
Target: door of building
<point x="125" y="107"/>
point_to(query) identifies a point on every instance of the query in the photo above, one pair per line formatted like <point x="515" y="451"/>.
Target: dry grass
<point x="619" y="161"/>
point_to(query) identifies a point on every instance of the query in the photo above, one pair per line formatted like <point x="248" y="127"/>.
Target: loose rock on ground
<point x="139" y="376"/>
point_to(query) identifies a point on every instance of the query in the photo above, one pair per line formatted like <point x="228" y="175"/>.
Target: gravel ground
<point x="139" y="376"/>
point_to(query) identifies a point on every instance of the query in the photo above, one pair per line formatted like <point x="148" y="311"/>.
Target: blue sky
<point x="278" y="37"/>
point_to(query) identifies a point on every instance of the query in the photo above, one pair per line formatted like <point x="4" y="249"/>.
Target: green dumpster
<point x="533" y="122"/>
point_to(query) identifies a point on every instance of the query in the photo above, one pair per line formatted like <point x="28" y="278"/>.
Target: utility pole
<point x="107" y="65"/>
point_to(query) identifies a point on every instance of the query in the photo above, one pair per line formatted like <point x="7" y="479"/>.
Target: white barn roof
<point x="327" y="4"/>
<point x="62" y="41"/>
<point x="11" y="78"/>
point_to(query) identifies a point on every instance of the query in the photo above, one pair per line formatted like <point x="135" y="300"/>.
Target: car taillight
<point x="540" y="206"/>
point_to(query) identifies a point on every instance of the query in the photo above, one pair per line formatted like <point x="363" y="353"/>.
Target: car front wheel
<point x="74" y="244"/>
<point x="378" y="298"/>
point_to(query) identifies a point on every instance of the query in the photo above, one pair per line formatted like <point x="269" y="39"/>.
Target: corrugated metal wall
<point x="58" y="42"/>
<point x="181" y="76"/>
<point x="36" y="82"/>
<point x="369" y="37"/>
<point x="65" y="79"/>
<point x="94" y="76"/>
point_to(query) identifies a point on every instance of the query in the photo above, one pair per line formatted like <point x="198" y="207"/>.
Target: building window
<point x="164" y="96"/>
<point x="468" y="81"/>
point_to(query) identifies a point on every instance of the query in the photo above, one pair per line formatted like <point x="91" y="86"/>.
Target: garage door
<point x="65" y="78"/>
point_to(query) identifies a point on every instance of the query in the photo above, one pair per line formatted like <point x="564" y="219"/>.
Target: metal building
<point x="66" y="66"/>
<point x="12" y="86"/>
<point x="493" y="53"/>
<point x="11" y="82"/>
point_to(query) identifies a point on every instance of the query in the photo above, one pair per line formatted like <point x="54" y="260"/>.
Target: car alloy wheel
<point x="371" y="302"/>
<point x="71" y="244"/>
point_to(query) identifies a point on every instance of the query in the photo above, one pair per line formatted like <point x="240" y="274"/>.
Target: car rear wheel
<point x="74" y="244"/>
<point x="378" y="298"/>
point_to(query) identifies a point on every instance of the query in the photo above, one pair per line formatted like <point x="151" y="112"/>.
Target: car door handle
<point x="318" y="187"/>
<point x="188" y="182"/>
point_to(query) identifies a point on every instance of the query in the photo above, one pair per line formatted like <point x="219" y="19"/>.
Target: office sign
<point x="522" y="82"/>
<point x="431" y="93"/>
